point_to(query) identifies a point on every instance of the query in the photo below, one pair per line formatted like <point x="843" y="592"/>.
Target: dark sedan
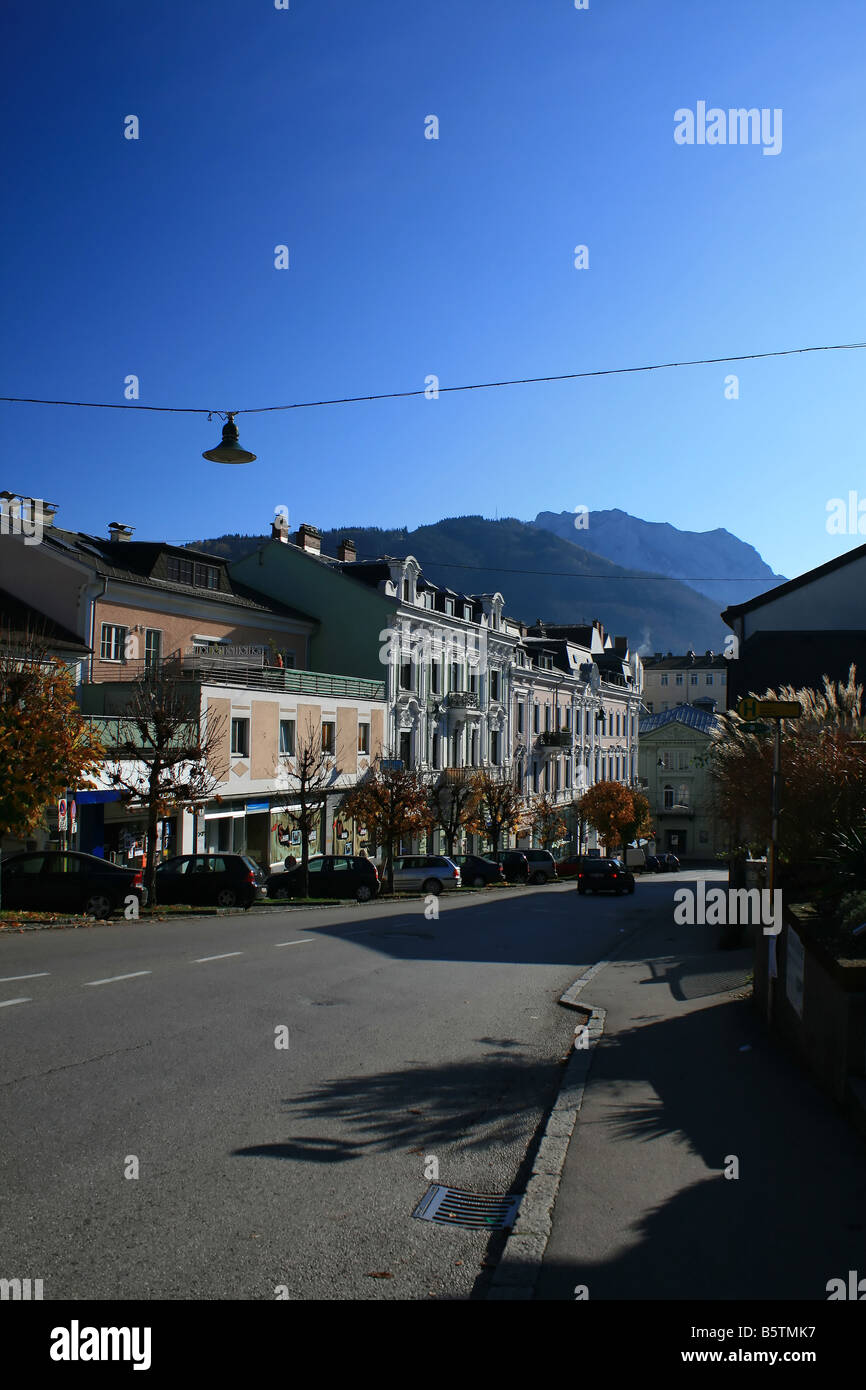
<point x="515" y="865"/>
<point x="66" y="881"/>
<point x="605" y="875"/>
<point x="217" y="880"/>
<point x="476" y="872"/>
<point x="330" y="876"/>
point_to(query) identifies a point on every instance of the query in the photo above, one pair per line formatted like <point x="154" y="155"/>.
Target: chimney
<point x="309" y="538"/>
<point x="280" y="528"/>
<point x="118" y="531"/>
<point x="346" y="551"/>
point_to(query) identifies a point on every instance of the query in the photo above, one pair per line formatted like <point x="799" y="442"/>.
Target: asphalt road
<point x="298" y="1168"/>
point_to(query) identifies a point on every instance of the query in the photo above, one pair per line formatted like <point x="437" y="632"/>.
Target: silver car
<point x="425" y="873"/>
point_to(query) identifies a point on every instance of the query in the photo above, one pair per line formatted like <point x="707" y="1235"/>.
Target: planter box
<point x="816" y="1003"/>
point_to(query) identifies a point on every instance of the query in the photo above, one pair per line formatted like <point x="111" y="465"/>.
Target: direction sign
<point x="749" y="708"/>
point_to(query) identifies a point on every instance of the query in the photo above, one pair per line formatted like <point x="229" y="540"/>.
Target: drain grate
<point x="477" y="1211"/>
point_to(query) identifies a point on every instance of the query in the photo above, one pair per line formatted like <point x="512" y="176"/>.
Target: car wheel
<point x="478" y="882"/>
<point x="282" y="894"/>
<point x="99" y="905"/>
<point x="226" y="897"/>
<point x="364" y="894"/>
<point x="538" y="877"/>
<point x="432" y="885"/>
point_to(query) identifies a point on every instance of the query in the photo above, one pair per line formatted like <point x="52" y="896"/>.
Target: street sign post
<point x="62" y="814"/>
<point x="750" y="708"/>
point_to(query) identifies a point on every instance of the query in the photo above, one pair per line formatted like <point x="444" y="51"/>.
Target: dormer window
<point x="467" y="612"/>
<point x="449" y="607"/>
<point x="406" y="591"/>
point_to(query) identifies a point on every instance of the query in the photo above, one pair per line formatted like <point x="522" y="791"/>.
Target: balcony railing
<point x="251" y="674"/>
<point x="117" y="732"/>
<point x="555" y="738"/>
<point x="464" y="699"/>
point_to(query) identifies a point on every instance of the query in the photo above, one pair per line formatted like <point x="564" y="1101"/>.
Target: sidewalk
<point x="643" y="1210"/>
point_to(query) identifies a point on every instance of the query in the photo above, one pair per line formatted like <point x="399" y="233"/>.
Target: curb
<point x="518" y="1270"/>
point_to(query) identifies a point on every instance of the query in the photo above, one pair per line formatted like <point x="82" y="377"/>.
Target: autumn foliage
<point x="45" y="744"/>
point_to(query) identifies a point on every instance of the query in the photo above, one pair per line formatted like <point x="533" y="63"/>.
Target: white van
<point x="635" y="858"/>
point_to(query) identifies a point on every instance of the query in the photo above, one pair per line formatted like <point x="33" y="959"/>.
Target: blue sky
<point x="453" y="257"/>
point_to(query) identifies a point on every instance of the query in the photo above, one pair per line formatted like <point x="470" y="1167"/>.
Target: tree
<point x="164" y="756"/>
<point x="608" y="807"/>
<point x="640" y="827"/>
<point x="500" y="806"/>
<point x="547" y="820"/>
<point x="308" y="771"/>
<point x="393" y="803"/>
<point x="823" y="770"/>
<point x="453" y="803"/>
<point x="46" y="746"/>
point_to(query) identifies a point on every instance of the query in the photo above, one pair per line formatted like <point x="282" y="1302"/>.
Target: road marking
<point x="7" y="979"/>
<point x="302" y="941"/>
<point x="112" y="978"/>
<point x="4" y="1003"/>
<point x="201" y="959"/>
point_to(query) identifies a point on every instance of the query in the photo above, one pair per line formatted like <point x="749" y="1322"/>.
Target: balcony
<point x="116" y="733"/>
<point x="679" y="811"/>
<point x="464" y="699"/>
<point x="555" y="738"/>
<point x="250" y="674"/>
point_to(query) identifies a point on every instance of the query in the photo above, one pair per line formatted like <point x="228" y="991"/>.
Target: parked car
<point x="476" y="872"/>
<point x="542" y="865"/>
<point x="67" y="881"/>
<point x="425" y="873"/>
<point x="221" y="880"/>
<point x="599" y="874"/>
<point x="330" y="876"/>
<point x="670" y="863"/>
<point x="569" y="866"/>
<point x="654" y="865"/>
<point x="515" y="864"/>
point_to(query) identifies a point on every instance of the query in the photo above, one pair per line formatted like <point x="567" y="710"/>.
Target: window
<point x="473" y="679"/>
<point x="363" y="738"/>
<point x="406" y="675"/>
<point x="435" y="678"/>
<point x="679" y="678"/>
<point x="240" y="738"/>
<point x="287" y="737"/>
<point x="494" y="685"/>
<point x="192" y="572"/>
<point x="152" y="647"/>
<point x="709" y="680"/>
<point x="329" y="729"/>
<point x="546" y="718"/>
<point x="694" y="680"/>
<point x="521" y="717"/>
<point x="467" y="612"/>
<point x="669" y="796"/>
<point x="536" y="725"/>
<point x="436" y="749"/>
<point x="456" y="674"/>
<point x="494" y="748"/>
<point x="665" y="680"/>
<point x="567" y="774"/>
<point x="449" y="606"/>
<point x="429" y="598"/>
<point x="406" y="591"/>
<point x="113" y="642"/>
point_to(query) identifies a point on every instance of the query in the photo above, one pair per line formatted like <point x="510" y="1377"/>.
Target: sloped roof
<point x="693" y="718"/>
<point x="135" y="562"/>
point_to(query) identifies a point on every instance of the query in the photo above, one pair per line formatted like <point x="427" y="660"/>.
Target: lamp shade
<point x="227" y="451"/>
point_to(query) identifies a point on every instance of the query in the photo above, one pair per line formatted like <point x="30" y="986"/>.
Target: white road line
<point x="4" y="1003"/>
<point x="302" y="941"/>
<point x="112" y="978"/>
<point x="7" y="979"/>
<point x="201" y="959"/>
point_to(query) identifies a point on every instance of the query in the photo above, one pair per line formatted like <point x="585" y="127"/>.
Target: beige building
<point x="673" y="745"/>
